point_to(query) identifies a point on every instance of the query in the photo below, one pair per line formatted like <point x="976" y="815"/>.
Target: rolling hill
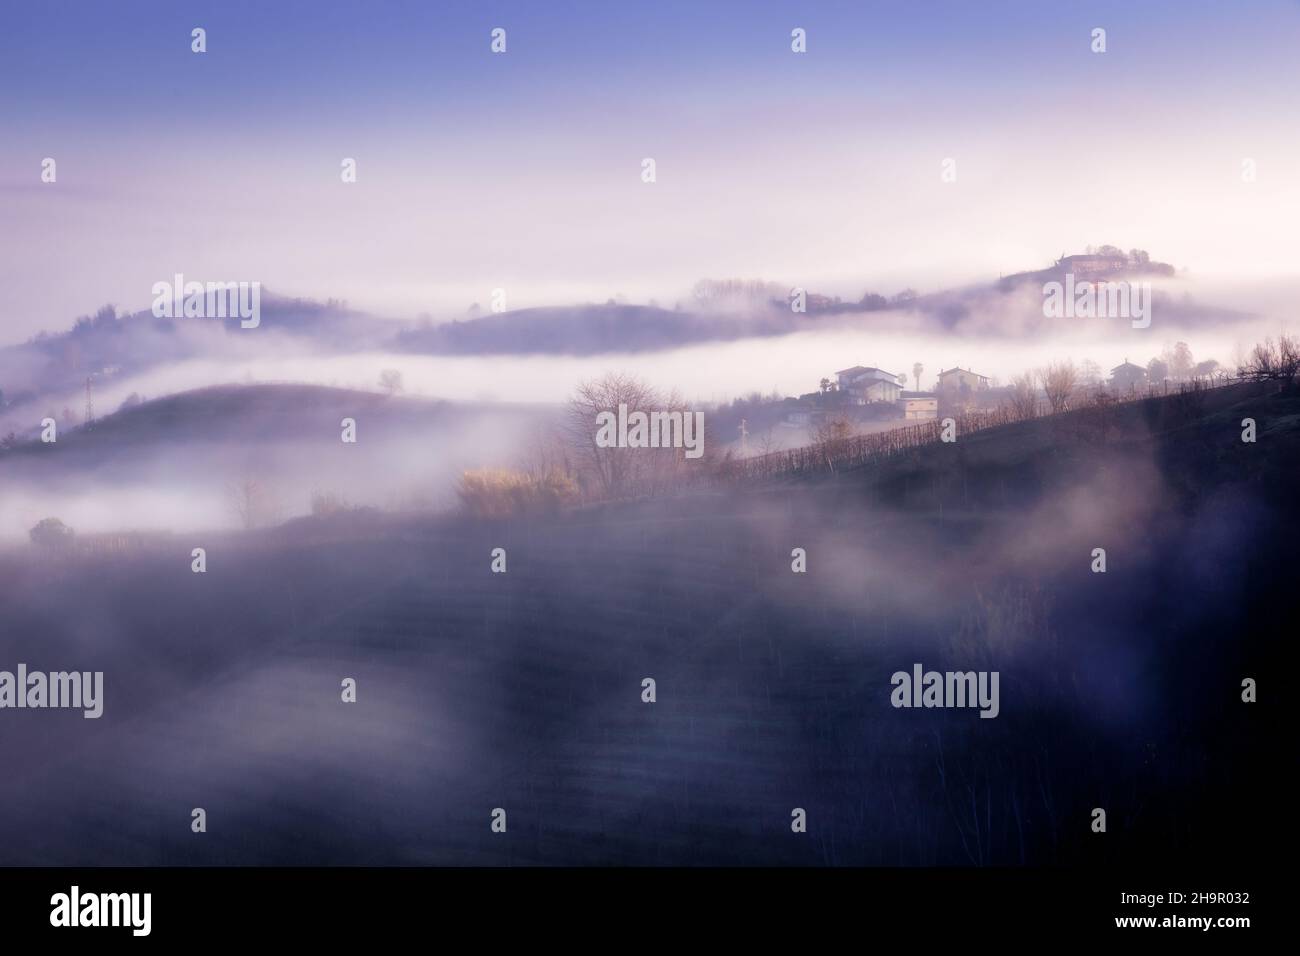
<point x="523" y="690"/>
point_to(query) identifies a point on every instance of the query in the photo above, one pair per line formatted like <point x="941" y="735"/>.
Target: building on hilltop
<point x="1128" y="376"/>
<point x="960" y="389"/>
<point x="962" y="380"/>
<point x="1092" y="265"/>
<point x="865" y="385"/>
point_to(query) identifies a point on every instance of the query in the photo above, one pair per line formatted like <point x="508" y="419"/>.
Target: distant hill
<point x="112" y="345"/>
<point x="172" y="462"/>
<point x="109" y="345"/>
<point x="590" y="329"/>
<point x="1093" y="267"/>
<point x="256" y="413"/>
<point x="261" y="414"/>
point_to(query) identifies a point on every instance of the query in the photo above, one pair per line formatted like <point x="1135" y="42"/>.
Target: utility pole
<point x="744" y="440"/>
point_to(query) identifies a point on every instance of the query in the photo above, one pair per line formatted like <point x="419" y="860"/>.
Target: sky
<point x="523" y="171"/>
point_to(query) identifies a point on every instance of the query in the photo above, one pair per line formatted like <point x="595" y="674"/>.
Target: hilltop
<point x="178" y="461"/>
<point x="109" y="345"/>
<point x="257" y="413"/>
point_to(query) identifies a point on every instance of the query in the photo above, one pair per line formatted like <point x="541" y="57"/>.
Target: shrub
<point x="500" y="492"/>
<point x="51" y="533"/>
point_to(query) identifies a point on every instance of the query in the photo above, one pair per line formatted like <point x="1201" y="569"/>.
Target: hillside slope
<point x="523" y="690"/>
<point x="173" y="462"/>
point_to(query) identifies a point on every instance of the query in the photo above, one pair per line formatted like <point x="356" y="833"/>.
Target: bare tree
<point x="1089" y="373"/>
<point x="1024" y="396"/>
<point x="1059" y="381"/>
<point x="1179" y="361"/>
<point x="549" y="452"/>
<point x="390" y="380"/>
<point x="605" y="468"/>
<point x="243" y="496"/>
<point x="252" y="503"/>
<point x="1288" y="354"/>
<point x="621" y="472"/>
<point x="1273" y="360"/>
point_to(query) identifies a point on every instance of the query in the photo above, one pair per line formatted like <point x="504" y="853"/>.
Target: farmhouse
<point x="1089" y="266"/>
<point x="865" y="385"/>
<point x="1128" y="376"/>
<point x="868" y="394"/>
<point x="962" y="380"/>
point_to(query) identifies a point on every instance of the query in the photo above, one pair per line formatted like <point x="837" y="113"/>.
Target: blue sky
<point x="479" y="171"/>
<point x="298" y="63"/>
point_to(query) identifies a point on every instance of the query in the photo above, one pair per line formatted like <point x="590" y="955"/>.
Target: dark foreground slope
<point x="523" y="690"/>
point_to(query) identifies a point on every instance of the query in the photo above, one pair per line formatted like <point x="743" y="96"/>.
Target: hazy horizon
<point x="522" y="171"/>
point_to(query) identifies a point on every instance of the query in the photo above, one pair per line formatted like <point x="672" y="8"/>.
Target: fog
<point x="390" y="182"/>
<point x="175" y="476"/>
<point x="993" y="342"/>
<point x="522" y="690"/>
<point x="179" y="466"/>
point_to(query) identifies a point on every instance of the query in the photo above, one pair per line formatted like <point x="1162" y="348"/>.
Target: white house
<point x="865" y="385"/>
